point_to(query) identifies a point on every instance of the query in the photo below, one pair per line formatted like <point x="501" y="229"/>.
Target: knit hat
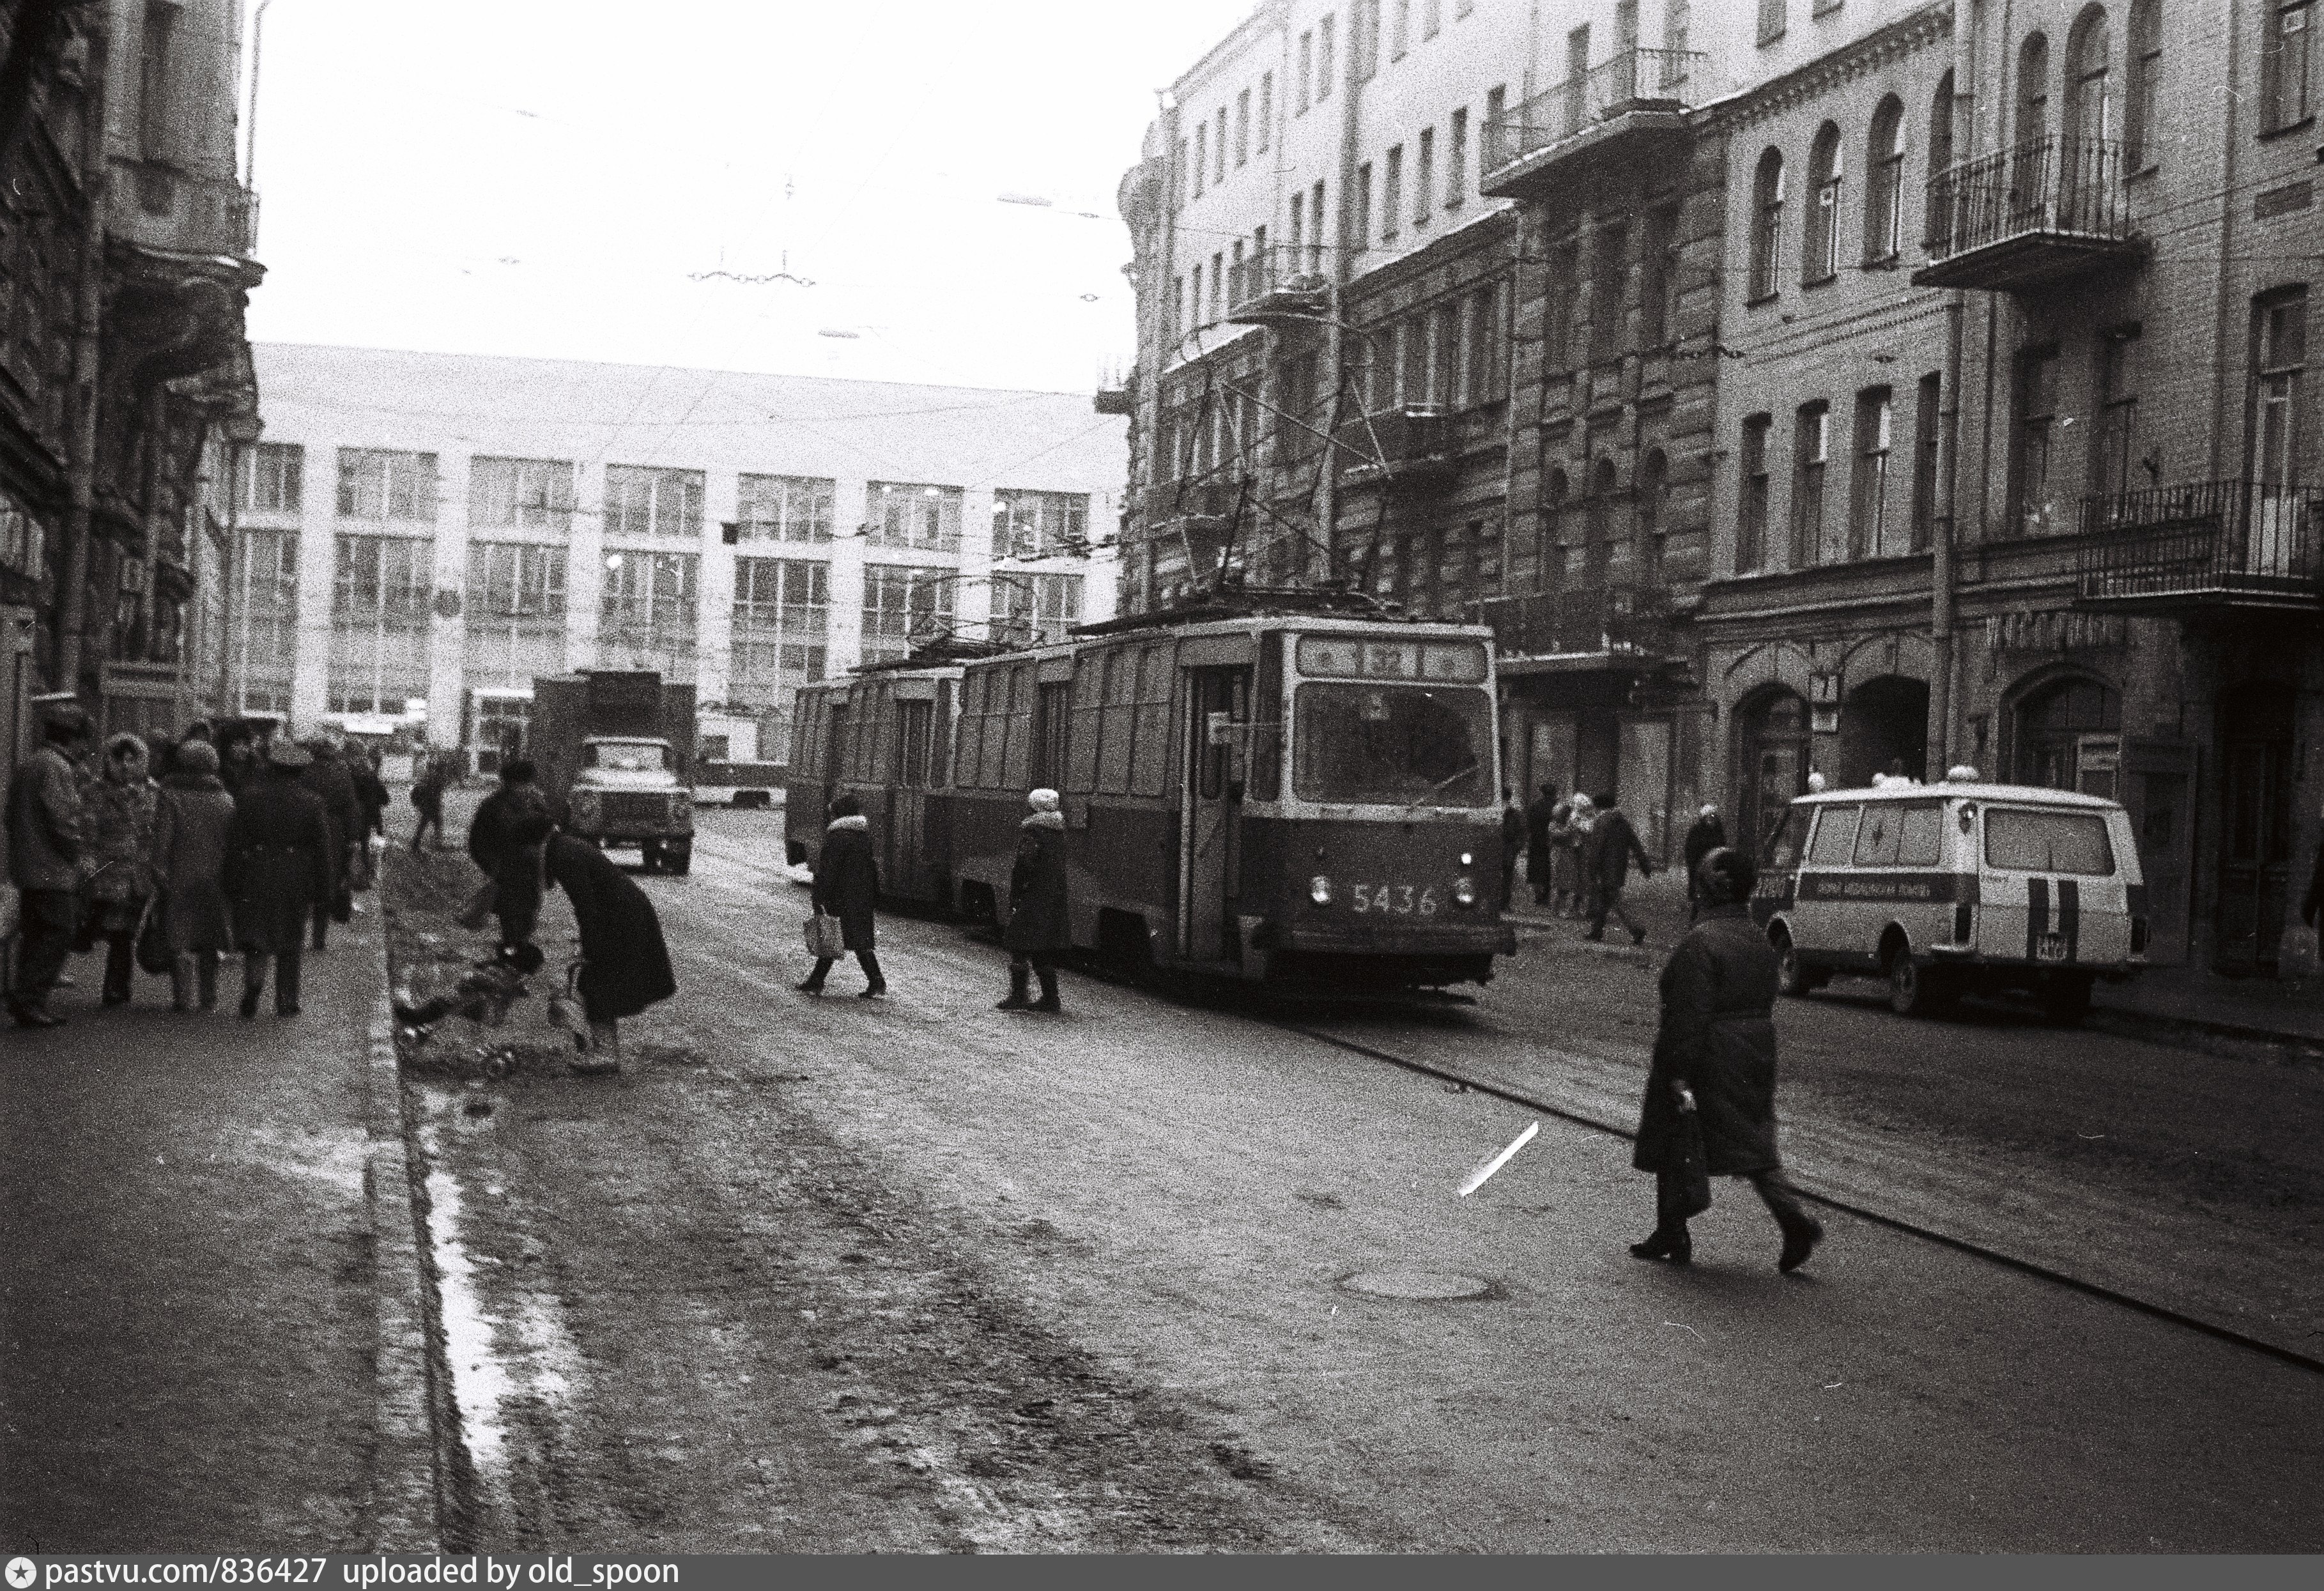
<point x="1042" y="800"/>
<point x="196" y="756"/>
<point x="286" y="752"/>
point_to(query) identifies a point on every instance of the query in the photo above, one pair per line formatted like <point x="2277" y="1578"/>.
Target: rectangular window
<point x="2037" y="416"/>
<point x="271" y="478"/>
<point x="1298" y="234"/>
<point x="664" y="503"/>
<point x="383" y="588"/>
<point x="1039" y="524"/>
<point x="521" y="494"/>
<point x="1811" y="457"/>
<point x="1432" y="17"/>
<point x="515" y="612"/>
<point x="1423" y="176"/>
<point x="1327" y="55"/>
<point x="1610" y="273"/>
<point x="1237" y="288"/>
<point x="1219" y="149"/>
<point x="155" y="79"/>
<point x="1558" y="321"/>
<point x="786" y="508"/>
<point x="2285" y="66"/>
<point x="1391" y="193"/>
<point x="1676" y="23"/>
<point x="1835" y="836"/>
<point x="1034" y="609"/>
<point x="2047" y="841"/>
<point x="2113" y="448"/>
<point x="1444" y="353"/>
<point x="647" y="612"/>
<point x="1400" y="30"/>
<point x="1456" y="158"/>
<point x="781" y="619"/>
<point x="1218" y="284"/>
<point x="1266" y="110"/>
<point x="266" y="617"/>
<point x="1364" y="40"/>
<point x="1306" y="85"/>
<point x="1197" y="296"/>
<point x="1179" y="164"/>
<point x="1484" y="344"/>
<point x="1658" y="258"/>
<point x="1201" y="156"/>
<point x="1363" y="228"/>
<point x="1242" y="128"/>
<point x="2280" y="359"/>
<point x="1751" y="520"/>
<point x="1496" y="130"/>
<point x="378" y="484"/>
<point x="1926" y="422"/>
<point x="905" y="606"/>
<point x="1868" y="492"/>
<point x="1150" y="772"/>
<point x="915" y="515"/>
<point x="1771" y="20"/>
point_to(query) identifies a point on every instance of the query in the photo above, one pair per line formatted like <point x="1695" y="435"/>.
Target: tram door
<point x="1218" y="708"/>
<point x="903" y="867"/>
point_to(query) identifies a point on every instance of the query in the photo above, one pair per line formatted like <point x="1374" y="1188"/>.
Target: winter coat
<point x="371" y="798"/>
<point x="46" y="826"/>
<point x="847" y="879"/>
<point x="2313" y="905"/>
<point x="1513" y="835"/>
<point x="1706" y="835"/>
<point x="514" y="869"/>
<point x="1564" y="850"/>
<point x="1538" y="819"/>
<point x="189" y="845"/>
<point x="1612" y="843"/>
<point x="625" y="965"/>
<point x="1037" y="917"/>
<point x="278" y="862"/>
<point x="1718" y="1038"/>
<point x="327" y="777"/>
<point x="122" y="814"/>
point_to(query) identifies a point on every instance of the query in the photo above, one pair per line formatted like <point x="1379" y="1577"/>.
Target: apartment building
<point x="420" y="536"/>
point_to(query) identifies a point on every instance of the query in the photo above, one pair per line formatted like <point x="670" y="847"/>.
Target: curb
<point x="403" y="1514"/>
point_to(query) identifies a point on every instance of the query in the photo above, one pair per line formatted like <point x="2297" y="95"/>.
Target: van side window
<point x="1876" y="836"/>
<point x="1782" y="854"/>
<point x="1835" y="837"/>
<point x="1923" y="842"/>
<point x="2048" y="842"/>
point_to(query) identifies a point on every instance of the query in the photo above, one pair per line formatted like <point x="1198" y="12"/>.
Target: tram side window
<point x="803" y="714"/>
<point x="971" y="734"/>
<point x="879" y="754"/>
<point x="1835" y="837"/>
<point x="992" y="757"/>
<point x="1264" y="780"/>
<point x="1089" y="701"/>
<point x="1150" y="764"/>
<point x="1017" y="772"/>
<point x="1120" y="730"/>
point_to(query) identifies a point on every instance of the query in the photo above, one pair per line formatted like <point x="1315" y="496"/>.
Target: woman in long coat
<point x="123" y="806"/>
<point x="278" y="870"/>
<point x="1569" y="835"/>
<point x="847" y="886"/>
<point x="1715" y="1059"/>
<point x="625" y="964"/>
<point x="190" y="856"/>
<point x="1038" y="925"/>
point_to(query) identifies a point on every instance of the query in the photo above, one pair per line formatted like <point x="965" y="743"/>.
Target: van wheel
<point x="1792" y="975"/>
<point x="650" y="859"/>
<point x="1914" y="990"/>
<point x="2066" y="999"/>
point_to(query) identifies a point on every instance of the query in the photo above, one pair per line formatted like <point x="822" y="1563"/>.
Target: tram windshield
<point x="1406" y="744"/>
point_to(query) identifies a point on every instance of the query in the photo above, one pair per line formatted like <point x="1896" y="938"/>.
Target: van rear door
<point x="2056" y="885"/>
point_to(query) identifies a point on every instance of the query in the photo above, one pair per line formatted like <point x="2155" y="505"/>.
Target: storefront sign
<point x="2055" y="631"/>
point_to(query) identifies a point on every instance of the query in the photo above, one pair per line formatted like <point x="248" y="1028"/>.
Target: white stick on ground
<point x="1477" y="1178"/>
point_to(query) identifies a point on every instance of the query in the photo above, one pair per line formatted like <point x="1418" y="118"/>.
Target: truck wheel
<point x="679" y="857"/>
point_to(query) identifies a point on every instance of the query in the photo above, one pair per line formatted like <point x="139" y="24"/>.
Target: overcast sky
<point x="527" y="177"/>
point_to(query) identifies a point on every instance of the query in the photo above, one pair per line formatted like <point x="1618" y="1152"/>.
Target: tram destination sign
<point x="1422" y="662"/>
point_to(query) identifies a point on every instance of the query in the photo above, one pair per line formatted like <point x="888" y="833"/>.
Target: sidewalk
<point x="2190" y="998"/>
<point x="212" y="1302"/>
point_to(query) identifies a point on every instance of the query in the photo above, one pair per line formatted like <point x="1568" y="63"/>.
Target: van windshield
<point x="1393" y="743"/>
<point x="626" y="756"/>
<point x="2047" y="841"/>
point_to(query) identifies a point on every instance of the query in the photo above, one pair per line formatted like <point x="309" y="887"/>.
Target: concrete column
<point x="843" y="641"/>
<point x="585" y="571"/>
<point x="318" y="563"/>
<point x="713" y="622"/>
<point x="447" y="637"/>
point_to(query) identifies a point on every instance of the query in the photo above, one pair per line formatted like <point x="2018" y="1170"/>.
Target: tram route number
<point x="1401" y="900"/>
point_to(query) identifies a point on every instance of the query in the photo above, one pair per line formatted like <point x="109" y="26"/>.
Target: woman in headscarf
<point x="122" y="805"/>
<point x="1038" y="927"/>
<point x="1715" y="1059"/>
<point x="1569" y="827"/>
<point x="847" y="886"/>
<point x="624" y="963"/>
<point x="189" y="858"/>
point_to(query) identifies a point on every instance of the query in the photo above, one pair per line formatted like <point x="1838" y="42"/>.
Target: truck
<point x="616" y="754"/>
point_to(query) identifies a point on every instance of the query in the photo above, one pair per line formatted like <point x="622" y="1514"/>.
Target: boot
<point x="1048" y="1000"/>
<point x="182" y="983"/>
<point x="1664" y="1244"/>
<point x="206" y="972"/>
<point x="813" y="982"/>
<point x="1018" y="1000"/>
<point x="875" y="983"/>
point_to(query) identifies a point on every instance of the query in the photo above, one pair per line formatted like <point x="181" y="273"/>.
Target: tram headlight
<point x="1468" y="860"/>
<point x="1464" y="891"/>
<point x="1319" y="890"/>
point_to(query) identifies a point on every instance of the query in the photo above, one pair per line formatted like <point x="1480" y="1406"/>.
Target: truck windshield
<point x="626" y="756"/>
<point x="1393" y="743"/>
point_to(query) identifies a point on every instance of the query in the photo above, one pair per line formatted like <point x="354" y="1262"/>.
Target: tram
<point x="884" y="736"/>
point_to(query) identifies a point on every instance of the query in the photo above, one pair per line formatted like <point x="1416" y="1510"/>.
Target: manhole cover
<point x="1416" y="1284"/>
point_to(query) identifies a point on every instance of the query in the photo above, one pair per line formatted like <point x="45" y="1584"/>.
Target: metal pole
<point x="1940" y="546"/>
<point x="250" y="136"/>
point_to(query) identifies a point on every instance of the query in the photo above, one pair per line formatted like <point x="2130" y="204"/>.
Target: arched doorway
<point x="1772" y="757"/>
<point x="2067" y="735"/>
<point x="1883" y="727"/>
<point x="2255" y="826"/>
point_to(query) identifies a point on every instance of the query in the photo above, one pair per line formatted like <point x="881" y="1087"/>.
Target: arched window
<point x="1883" y="178"/>
<point x="1944" y="198"/>
<point x="1599" y="554"/>
<point x="2050" y="724"/>
<point x="1819" y="244"/>
<point x="2139" y="145"/>
<point x="1654" y="491"/>
<point x="1767" y="223"/>
<point x="2090" y="118"/>
<point x="2033" y="90"/>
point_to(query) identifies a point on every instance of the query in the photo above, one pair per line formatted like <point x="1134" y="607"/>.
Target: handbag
<point x="1691" y="1166"/>
<point x="153" y="952"/>
<point x="826" y="941"/>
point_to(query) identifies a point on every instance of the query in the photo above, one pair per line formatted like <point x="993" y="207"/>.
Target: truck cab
<point x="614" y="750"/>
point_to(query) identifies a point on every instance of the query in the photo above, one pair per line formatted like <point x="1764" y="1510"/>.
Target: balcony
<point x="1411" y="445"/>
<point x="1589" y="620"/>
<point x="2225" y="544"/>
<point x="1627" y="109"/>
<point x="1281" y="282"/>
<point x="2029" y="217"/>
<point x="1189" y="500"/>
<point x="170" y="210"/>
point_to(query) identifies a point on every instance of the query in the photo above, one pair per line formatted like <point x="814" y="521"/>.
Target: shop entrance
<point x="1772" y="730"/>
<point x="2255" y="827"/>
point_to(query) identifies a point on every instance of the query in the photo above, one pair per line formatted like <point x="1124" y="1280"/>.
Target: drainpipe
<point x="1941" y="568"/>
<point x="88" y="324"/>
<point x="1335" y="336"/>
<point x="1508" y="341"/>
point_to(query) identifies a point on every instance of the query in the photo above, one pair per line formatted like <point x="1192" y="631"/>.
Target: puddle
<point x="505" y="1344"/>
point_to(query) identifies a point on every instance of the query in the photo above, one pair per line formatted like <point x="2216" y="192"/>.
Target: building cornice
<point x="1803" y="84"/>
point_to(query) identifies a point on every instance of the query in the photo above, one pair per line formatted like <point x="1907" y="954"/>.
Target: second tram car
<point x="884" y="735"/>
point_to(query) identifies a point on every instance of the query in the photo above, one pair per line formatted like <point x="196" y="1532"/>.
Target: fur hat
<point x="197" y="757"/>
<point x="1042" y="800"/>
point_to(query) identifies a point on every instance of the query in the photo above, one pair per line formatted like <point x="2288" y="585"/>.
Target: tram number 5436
<point x="1401" y="900"/>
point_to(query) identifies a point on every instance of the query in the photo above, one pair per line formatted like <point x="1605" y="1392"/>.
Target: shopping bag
<point x="153" y="952"/>
<point x="825" y="940"/>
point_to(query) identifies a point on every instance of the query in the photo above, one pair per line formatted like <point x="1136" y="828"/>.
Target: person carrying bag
<point x="846" y="890"/>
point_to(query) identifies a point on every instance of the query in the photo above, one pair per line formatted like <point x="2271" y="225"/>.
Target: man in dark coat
<point x="427" y="796"/>
<point x="327" y="777"/>
<point x="847" y="886"/>
<point x="1715" y="1059"/>
<point x="512" y="864"/>
<point x="278" y="872"/>
<point x="1705" y="835"/>
<point x="624" y="963"/>
<point x="1606" y="867"/>
<point x="1038" y="925"/>
<point x="47" y="836"/>
<point x="1513" y="836"/>
<point x="1539" y="868"/>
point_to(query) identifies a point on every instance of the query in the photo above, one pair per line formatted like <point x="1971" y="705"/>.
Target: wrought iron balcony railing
<point x="1580" y="620"/>
<point x="2231" y="543"/>
<point x="1280" y="282"/>
<point x="1398" y="445"/>
<point x="1634" y="81"/>
<point x="2029" y="215"/>
<point x="191" y="215"/>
